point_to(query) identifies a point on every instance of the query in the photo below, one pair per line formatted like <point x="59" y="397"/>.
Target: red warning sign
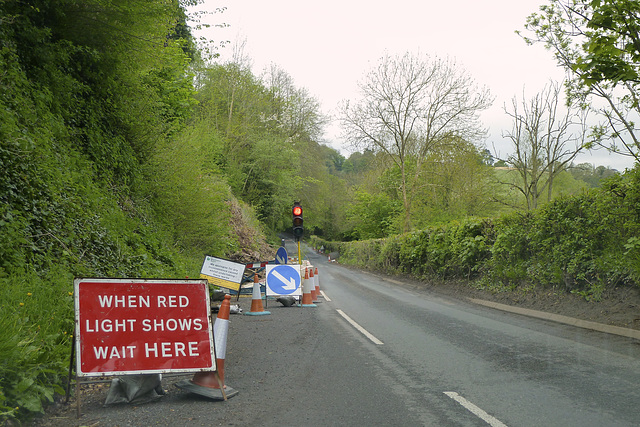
<point x="127" y="326"/>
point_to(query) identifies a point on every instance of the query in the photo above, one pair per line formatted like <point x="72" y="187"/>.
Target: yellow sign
<point x="221" y="282"/>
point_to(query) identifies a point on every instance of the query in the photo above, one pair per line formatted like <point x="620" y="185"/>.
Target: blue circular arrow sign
<point x="281" y="255"/>
<point x="283" y="280"/>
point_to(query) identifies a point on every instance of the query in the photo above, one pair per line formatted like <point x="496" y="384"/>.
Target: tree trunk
<point x="405" y="200"/>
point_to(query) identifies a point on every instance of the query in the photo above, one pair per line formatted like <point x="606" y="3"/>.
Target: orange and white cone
<point x="312" y="279"/>
<point x="316" y="279"/>
<point x="211" y="384"/>
<point x="307" y="299"/>
<point x="256" y="300"/>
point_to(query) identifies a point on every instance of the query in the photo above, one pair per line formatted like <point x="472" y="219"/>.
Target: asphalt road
<point x="379" y="353"/>
<point x="512" y="370"/>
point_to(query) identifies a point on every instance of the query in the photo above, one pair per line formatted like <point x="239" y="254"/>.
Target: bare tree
<point x="546" y="138"/>
<point x="409" y="105"/>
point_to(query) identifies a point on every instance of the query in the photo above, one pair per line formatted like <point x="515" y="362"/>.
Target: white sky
<point x="328" y="46"/>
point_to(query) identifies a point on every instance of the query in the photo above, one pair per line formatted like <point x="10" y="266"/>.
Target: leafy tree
<point x="294" y="112"/>
<point x="335" y="161"/>
<point x="461" y="184"/>
<point x="271" y="178"/>
<point x="295" y="121"/>
<point x="69" y="72"/>
<point x="598" y="43"/>
<point x="487" y="157"/>
<point x="371" y="216"/>
<point x="359" y="162"/>
<point x="591" y="174"/>
<point x="188" y="198"/>
<point x="232" y="101"/>
<point x="332" y="204"/>
<point x="261" y="135"/>
<point x="408" y="106"/>
<point x="89" y="57"/>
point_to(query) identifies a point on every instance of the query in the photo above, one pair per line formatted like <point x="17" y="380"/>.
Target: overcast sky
<point x="327" y="47"/>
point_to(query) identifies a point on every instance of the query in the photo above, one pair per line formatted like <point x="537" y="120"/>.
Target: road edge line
<point x="362" y="330"/>
<point x="475" y="410"/>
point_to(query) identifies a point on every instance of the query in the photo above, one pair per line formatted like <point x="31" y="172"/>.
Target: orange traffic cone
<point x="316" y="278"/>
<point x="256" y="300"/>
<point x="211" y="384"/>
<point x="307" y="299"/>
<point x="312" y="279"/>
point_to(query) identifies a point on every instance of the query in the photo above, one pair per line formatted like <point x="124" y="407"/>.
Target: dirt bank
<point x="618" y="307"/>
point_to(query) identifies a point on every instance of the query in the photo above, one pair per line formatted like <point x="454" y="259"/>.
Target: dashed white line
<point x="492" y="421"/>
<point x="326" y="298"/>
<point x="360" y="328"/>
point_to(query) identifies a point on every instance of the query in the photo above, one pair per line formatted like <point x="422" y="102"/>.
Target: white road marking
<point x="326" y="298"/>
<point x="360" y="328"/>
<point x="492" y="421"/>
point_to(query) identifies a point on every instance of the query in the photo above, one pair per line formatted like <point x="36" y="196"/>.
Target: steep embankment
<point x="96" y="178"/>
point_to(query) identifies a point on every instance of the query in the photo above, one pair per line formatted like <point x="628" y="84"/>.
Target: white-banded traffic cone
<point x="312" y="280"/>
<point x="316" y="279"/>
<point x="211" y="384"/>
<point x="256" y="300"/>
<point x="307" y="299"/>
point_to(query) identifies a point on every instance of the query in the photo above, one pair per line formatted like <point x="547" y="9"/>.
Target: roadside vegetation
<point x="583" y="244"/>
<point x="128" y="149"/>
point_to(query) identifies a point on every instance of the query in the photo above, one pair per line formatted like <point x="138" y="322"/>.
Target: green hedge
<point x="582" y="244"/>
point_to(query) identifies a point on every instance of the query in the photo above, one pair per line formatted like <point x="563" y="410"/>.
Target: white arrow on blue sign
<point x="281" y="255"/>
<point x="283" y="280"/>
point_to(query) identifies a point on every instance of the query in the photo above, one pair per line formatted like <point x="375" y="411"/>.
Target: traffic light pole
<point x="298" y="230"/>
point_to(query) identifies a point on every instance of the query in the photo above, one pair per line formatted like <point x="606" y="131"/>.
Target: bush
<point x="511" y="250"/>
<point x="583" y="244"/>
<point x="36" y="323"/>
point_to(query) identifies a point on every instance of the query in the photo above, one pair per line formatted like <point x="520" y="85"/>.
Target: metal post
<point x="71" y="360"/>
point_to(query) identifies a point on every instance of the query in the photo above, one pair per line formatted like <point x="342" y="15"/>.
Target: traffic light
<point x="298" y="230"/>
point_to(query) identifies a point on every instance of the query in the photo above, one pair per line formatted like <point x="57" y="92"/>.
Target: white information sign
<point x="223" y="273"/>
